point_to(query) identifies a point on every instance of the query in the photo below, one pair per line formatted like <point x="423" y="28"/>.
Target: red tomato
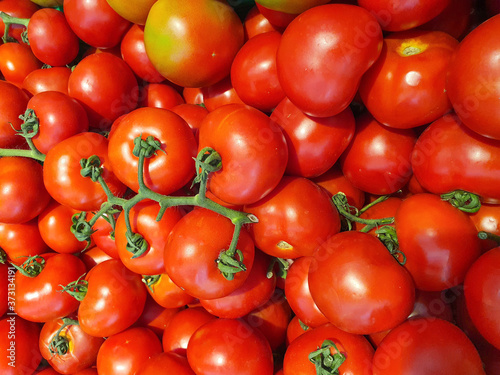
<point x="256" y="23"/>
<point x="156" y="317"/>
<point x="22" y="192"/>
<point x="350" y="40"/>
<point x="394" y="15"/>
<point x="377" y="160"/>
<point x="193" y="114"/>
<point x="487" y="219"/>
<point x="192" y="95"/>
<point x="114" y="300"/>
<point x="253" y="152"/>
<point x="314" y="143"/>
<point x="59" y="117"/>
<point x="166" y="293"/>
<point x="172" y="167"/>
<point x="405" y="87"/>
<point x="426" y="345"/>
<point x="95" y="22"/>
<point x="50" y="79"/>
<point x="448" y="156"/>
<point x="219" y="94"/>
<point x="93" y="256"/>
<point x="81" y="348"/>
<point x="106" y="87"/>
<point x="159" y="95"/>
<point x="17" y="61"/>
<point x="126" y="352"/>
<point x="295" y="329"/>
<point x="175" y="363"/>
<point x="19" y="9"/>
<point x="368" y="292"/>
<point x="13" y="103"/>
<point x="20" y="241"/>
<point x="278" y="18"/>
<point x="439" y="241"/>
<point x="473" y="79"/>
<point x="235" y="348"/>
<point x="39" y="298"/>
<point x="356" y="349"/>
<point x="481" y="286"/>
<point x="103" y="236"/>
<point x="51" y="39"/>
<point x="386" y="208"/>
<point x="62" y="178"/>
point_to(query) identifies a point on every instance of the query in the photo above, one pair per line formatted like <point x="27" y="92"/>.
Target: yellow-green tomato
<point x="135" y="11"/>
<point x="291" y="6"/>
<point x="193" y="43"/>
<point x="48" y="3"/>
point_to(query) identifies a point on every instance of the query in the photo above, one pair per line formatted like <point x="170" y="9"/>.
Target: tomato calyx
<point x="463" y="200"/>
<point x="59" y="344"/>
<point x="150" y="280"/>
<point x="77" y="289"/>
<point x="3" y="256"/>
<point x="9" y="20"/>
<point x="324" y="361"/>
<point x="387" y="234"/>
<point x="230" y="262"/>
<point x="31" y="267"/>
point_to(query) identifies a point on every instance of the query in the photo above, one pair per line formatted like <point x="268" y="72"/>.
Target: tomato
<point x="481" y="295"/>
<point x="487" y="219"/>
<point x="62" y="178"/>
<point x="176" y="336"/>
<point x="106" y="87"/>
<point x="253" y="293"/>
<point x="125" y="353"/>
<point x="5" y="274"/>
<point x="291" y="6"/>
<point x="166" y="293"/>
<point x="405" y="87"/>
<point x="13" y="103"/>
<point x="356" y="349"/>
<point x="51" y="39"/>
<point x="19" y="9"/>
<point x="95" y="22"/>
<point x="377" y="160"/>
<point x="160" y="95"/>
<point x="394" y="15"/>
<point x="256" y="23"/>
<point x="426" y="346"/>
<point x="167" y="360"/>
<point x="192" y="95"/>
<point x="350" y="42"/>
<point x="48" y="3"/>
<point x="253" y="152"/>
<point x="472" y="83"/>
<point x="54" y="224"/>
<point x="368" y="292"/>
<point x="50" y="79"/>
<point x="103" y="236"/>
<point x="17" y="61"/>
<point x="295" y="329"/>
<point x="314" y="144"/>
<point x="19" y="345"/>
<point x="172" y="167"/>
<point x="20" y="241"/>
<point x="22" y="192"/>
<point x="156" y="317"/>
<point x="275" y="17"/>
<point x="114" y="300"/>
<point x="93" y="256"/>
<point x="235" y="348"/>
<point x="219" y="94"/>
<point x="193" y="114"/>
<point x="439" y="241"/>
<point x="448" y="156"/>
<point x="289" y="226"/>
<point x="299" y="296"/>
<point x="193" y="247"/>
<point x="59" y="117"/>
<point x="175" y="35"/>
<point x="79" y="351"/>
<point x="133" y="52"/>
<point x="386" y="208"/>
<point x="133" y="11"/>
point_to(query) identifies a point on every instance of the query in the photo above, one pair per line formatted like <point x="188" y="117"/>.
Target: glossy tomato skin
<point x="386" y="208"/>
<point x="243" y="349"/>
<point x="292" y="7"/>
<point x="62" y="178"/>
<point x="95" y="22"/>
<point x="256" y="23"/>
<point x="176" y="363"/>
<point x="472" y="83"/>
<point x="194" y="245"/>
<point x="115" y="289"/>
<point x="134" y="11"/>
<point x="39" y="299"/>
<point x="160" y="95"/>
<point x="82" y="352"/>
<point x="351" y="41"/>
<point x="17" y="61"/>
<point x="425" y="346"/>
<point x="193" y="114"/>
<point x="167" y="294"/>
<point x="288" y="225"/>
<point x="253" y="151"/>
<point x="377" y="160"/>
<point x="175" y="35"/>
<point x="22" y="192"/>
<point x="394" y="15"/>
<point x="439" y="241"/>
<point x="448" y="156"/>
<point x="20" y="241"/>
<point x="405" y="87"/>
<point x="19" y="9"/>
<point x="357" y="350"/>
<point x="13" y="101"/>
<point x="53" y="79"/>
<point x="487" y="219"/>
<point x="369" y="291"/>
<point x="155" y="317"/>
<point x="219" y="94"/>
<point x="314" y="143"/>
<point x="106" y="87"/>
<point x="481" y="295"/>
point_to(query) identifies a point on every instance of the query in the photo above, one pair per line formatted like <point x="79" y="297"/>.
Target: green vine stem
<point x="387" y="234"/>
<point x="31" y="267"/>
<point x="489" y="236"/>
<point x="463" y="200"/>
<point x="59" y="345"/>
<point x="150" y="280"/>
<point x="8" y="20"/>
<point x="343" y="207"/>
<point x="324" y="361"/>
<point x="77" y="289"/>
<point x="371" y="204"/>
<point x="278" y="266"/>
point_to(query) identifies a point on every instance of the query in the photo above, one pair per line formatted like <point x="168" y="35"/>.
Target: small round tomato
<point x="19" y="9"/>
<point x="49" y="79"/>
<point x="487" y="219"/>
<point x="165" y="292"/>
<point x="193" y="114"/>
<point x="256" y="23"/>
<point x="219" y="94"/>
<point x="93" y="256"/>
<point x="134" y="11"/>
<point x="155" y="317"/>
<point x="160" y="95"/>
<point x="175" y="363"/>
<point x="16" y="62"/>
<point x="20" y="241"/>
<point x="13" y="103"/>
<point x="103" y="236"/>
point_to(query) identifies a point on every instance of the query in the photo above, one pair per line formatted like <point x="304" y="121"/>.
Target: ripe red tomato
<point x="17" y="61"/>
<point x="253" y="151"/>
<point x="487" y="219"/>
<point x="103" y="236"/>
<point x="13" y="103"/>
<point x="160" y="95"/>
<point x="256" y="23"/>
<point x="193" y="114"/>
<point x="368" y="292"/>
<point x="50" y="79"/>
<point x="20" y="241"/>
<point x="167" y="360"/>
<point x="386" y="208"/>
<point x="327" y="46"/>
<point x="155" y="317"/>
<point x="19" y="9"/>
<point x="166" y="293"/>
<point x="473" y="83"/>
<point x="219" y="94"/>
<point x="405" y="87"/>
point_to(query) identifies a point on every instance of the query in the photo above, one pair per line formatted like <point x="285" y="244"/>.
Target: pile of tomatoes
<point x="238" y="187"/>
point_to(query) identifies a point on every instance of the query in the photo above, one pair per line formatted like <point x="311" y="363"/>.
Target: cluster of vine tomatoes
<point x="238" y="187"/>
